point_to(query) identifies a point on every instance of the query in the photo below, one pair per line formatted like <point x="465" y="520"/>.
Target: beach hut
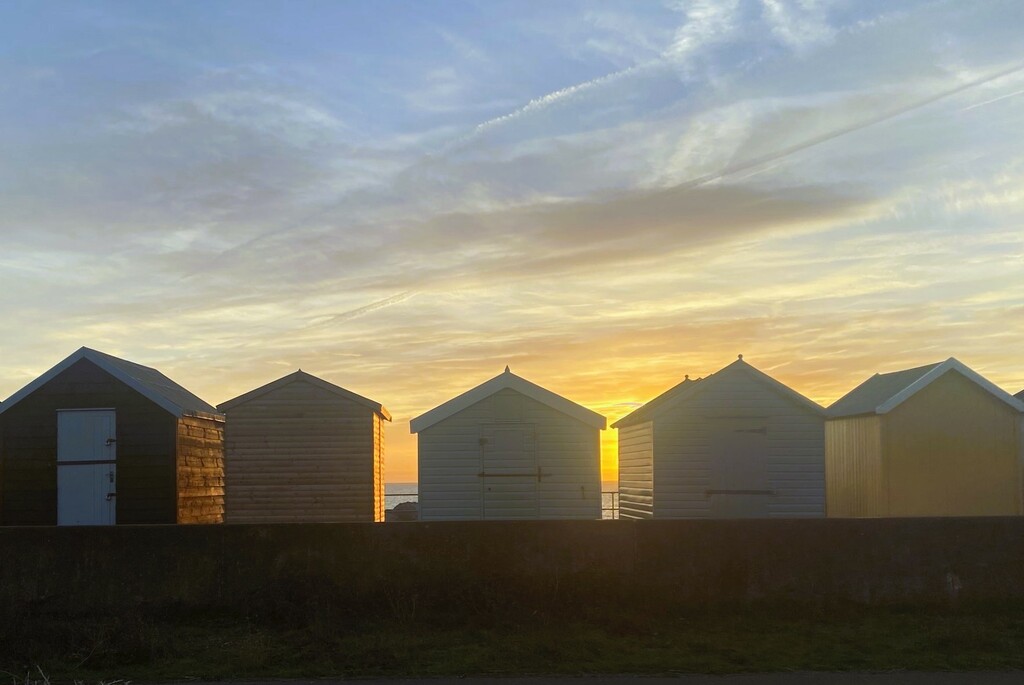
<point x="936" y="440"/>
<point x="509" y="449"/>
<point x="99" y="440"/>
<point x="736" y="444"/>
<point x="303" y="449"/>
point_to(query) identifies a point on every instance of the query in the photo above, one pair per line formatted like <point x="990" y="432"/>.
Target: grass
<point x="745" y="640"/>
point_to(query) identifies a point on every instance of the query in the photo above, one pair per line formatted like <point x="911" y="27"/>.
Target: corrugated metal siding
<point x="302" y="453"/>
<point x="451" y="459"/>
<point x="636" y="471"/>
<point x="953" y="450"/>
<point x="853" y="467"/>
<point x="796" y="458"/>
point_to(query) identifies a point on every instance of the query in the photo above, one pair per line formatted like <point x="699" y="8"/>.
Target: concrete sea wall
<point x="409" y="569"/>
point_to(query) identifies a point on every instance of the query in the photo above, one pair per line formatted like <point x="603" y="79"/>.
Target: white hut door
<point x="510" y="473"/>
<point x="739" y="468"/>
<point x="86" y="467"/>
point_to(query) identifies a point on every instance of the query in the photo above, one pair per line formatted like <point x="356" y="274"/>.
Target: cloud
<point x="799" y="24"/>
<point x="631" y="194"/>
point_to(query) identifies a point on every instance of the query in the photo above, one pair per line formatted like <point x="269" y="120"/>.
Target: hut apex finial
<point x="740" y="357"/>
<point x="507" y="370"/>
<point x="686" y="377"/>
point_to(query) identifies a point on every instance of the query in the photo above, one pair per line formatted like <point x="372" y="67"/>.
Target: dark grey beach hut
<point x="98" y="440"/>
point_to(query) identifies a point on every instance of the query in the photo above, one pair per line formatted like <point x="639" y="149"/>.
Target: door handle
<point x="111" y="495"/>
<point x="110" y="441"/>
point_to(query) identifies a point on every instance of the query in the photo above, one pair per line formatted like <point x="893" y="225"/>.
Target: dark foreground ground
<point x="307" y="644"/>
<point x="907" y="678"/>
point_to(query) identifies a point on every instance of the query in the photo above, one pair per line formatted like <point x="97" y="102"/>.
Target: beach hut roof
<point x="302" y="376"/>
<point x="691" y="388"/>
<point x="146" y="381"/>
<point x="507" y="380"/>
<point x="884" y="392"/>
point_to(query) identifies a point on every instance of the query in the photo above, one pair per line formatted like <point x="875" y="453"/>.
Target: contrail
<point x="831" y="135"/>
<point x="989" y="102"/>
<point x="366" y="309"/>
<point x="543" y="102"/>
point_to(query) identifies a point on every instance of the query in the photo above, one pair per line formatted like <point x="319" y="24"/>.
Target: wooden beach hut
<point x="509" y="449"/>
<point x="936" y="440"/>
<point x="303" y="449"/>
<point x="736" y="444"/>
<point x="99" y="440"/>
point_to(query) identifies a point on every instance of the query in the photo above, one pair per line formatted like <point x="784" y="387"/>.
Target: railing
<point x="612" y="509"/>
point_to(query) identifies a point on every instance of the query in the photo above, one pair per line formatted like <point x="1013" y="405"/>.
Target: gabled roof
<point x="643" y="413"/>
<point x="884" y="392"/>
<point x="303" y="377"/>
<point x="148" y="382"/>
<point x="1020" y="395"/>
<point x="501" y="382"/>
<point x="690" y="388"/>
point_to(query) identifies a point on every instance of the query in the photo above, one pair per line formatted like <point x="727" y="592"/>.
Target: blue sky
<point x="402" y="197"/>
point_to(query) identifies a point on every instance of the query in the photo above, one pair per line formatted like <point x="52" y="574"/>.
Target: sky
<point x="404" y="197"/>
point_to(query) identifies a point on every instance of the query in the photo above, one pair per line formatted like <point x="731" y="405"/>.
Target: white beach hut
<point x="509" y="449"/>
<point x="736" y="444"/>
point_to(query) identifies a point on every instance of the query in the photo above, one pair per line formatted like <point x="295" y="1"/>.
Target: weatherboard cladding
<point x="168" y="466"/>
<point x="687" y="430"/>
<point x="301" y="449"/>
<point x="636" y="471"/>
<point x="455" y="450"/>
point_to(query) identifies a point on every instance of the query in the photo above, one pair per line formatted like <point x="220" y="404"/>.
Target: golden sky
<point x="605" y="196"/>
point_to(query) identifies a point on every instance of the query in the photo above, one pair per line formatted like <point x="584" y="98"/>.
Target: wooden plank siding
<point x="451" y="459"/>
<point x="378" y="468"/>
<point x="636" y="471"/>
<point x="200" y="482"/>
<point x="146" y="443"/>
<point x="302" y="453"/>
<point x="683" y="440"/>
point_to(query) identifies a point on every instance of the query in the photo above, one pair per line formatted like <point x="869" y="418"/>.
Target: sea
<point x="396" y="493"/>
